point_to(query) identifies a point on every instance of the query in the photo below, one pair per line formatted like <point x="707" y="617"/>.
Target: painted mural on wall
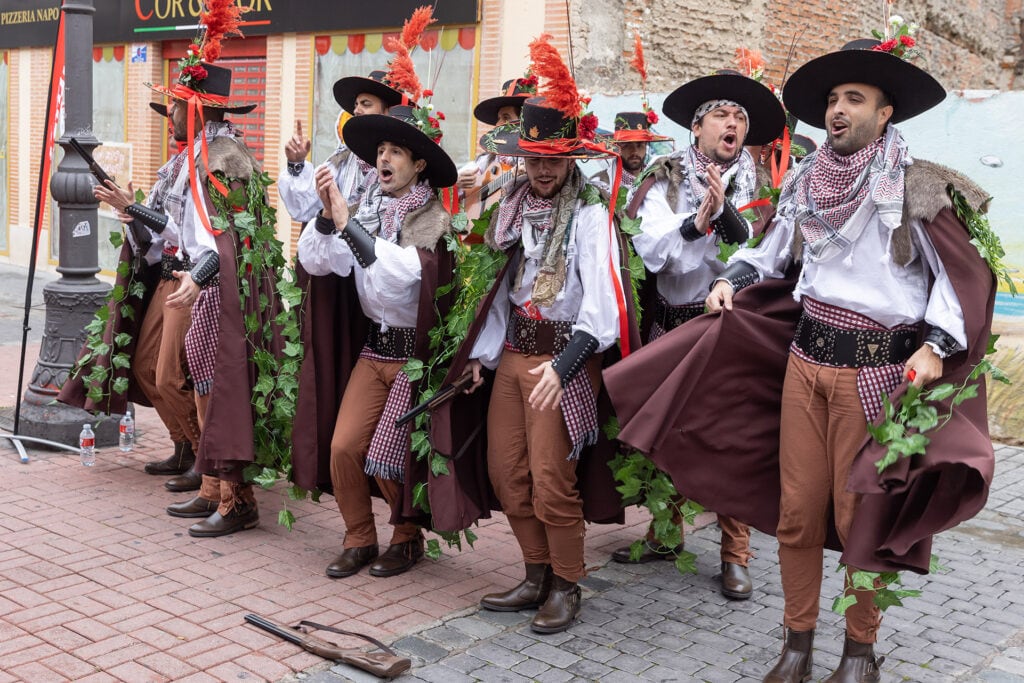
<point x="977" y="133"/>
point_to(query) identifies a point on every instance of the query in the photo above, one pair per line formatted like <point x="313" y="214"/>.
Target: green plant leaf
<point x="285" y="518"/>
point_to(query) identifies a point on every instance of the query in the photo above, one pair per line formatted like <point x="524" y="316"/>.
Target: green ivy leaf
<point x="116" y="238"/>
<point x="843" y="603"/>
<point x="439" y="465"/>
<point x="414" y="369"/>
<point x="285" y="518"/>
<point x="266" y="478"/>
<point x="120" y="361"/>
<point x="120" y="385"/>
<point x="433" y="549"/>
<point x="686" y="563"/>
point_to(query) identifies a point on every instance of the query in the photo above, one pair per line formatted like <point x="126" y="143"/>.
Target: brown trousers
<point x="822" y="428"/>
<point x="228" y="493"/>
<point x="360" y="411"/>
<point x="159" y="365"/>
<point x="527" y="462"/>
<point x="735" y="546"/>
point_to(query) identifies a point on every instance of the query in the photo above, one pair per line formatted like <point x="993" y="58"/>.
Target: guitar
<point x="488" y="192"/>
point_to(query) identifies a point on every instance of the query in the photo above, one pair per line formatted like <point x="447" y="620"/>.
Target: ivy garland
<point x="260" y="258"/>
<point x="101" y="381"/>
<point x="476" y="267"/>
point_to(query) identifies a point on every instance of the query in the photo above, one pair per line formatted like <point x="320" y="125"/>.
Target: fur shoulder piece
<point x="927" y="191"/>
<point x="426" y="225"/>
<point x="231" y="157"/>
<point x="664" y="168"/>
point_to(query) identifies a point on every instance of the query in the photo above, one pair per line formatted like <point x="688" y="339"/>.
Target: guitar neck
<point x="499" y="182"/>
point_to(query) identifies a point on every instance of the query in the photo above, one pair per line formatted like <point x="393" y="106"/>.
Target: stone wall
<point x="967" y="45"/>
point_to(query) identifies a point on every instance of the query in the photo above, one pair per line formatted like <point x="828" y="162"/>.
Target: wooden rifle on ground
<point x="440" y="397"/>
<point x="386" y="664"/>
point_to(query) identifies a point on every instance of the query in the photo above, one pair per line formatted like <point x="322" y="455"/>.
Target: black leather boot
<point x="794" y="666"/>
<point x="530" y="594"/>
<point x="560" y="609"/>
<point x="179" y="463"/>
<point x="858" y="665"/>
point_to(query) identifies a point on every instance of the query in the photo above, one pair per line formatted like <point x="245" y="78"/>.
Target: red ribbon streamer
<point x="779" y="167"/>
<point x="568" y="145"/>
<point x="634" y="136"/>
<point x="195" y="105"/>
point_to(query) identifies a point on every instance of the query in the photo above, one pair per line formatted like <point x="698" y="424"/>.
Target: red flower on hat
<point x="440" y="115"/>
<point x="196" y="72"/>
<point x="193" y="50"/>
<point x="652" y="117"/>
<point x="887" y="46"/>
<point x="907" y="41"/>
<point x="588" y="127"/>
<point x="428" y="93"/>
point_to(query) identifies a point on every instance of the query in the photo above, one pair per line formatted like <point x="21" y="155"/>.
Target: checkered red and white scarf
<point x="399" y="207"/>
<point x="835" y="186"/>
<point x="389" y="444"/>
<point x="738" y="176"/>
<point x="202" y="338"/>
<point x="872" y="382"/>
<point x="579" y="410"/>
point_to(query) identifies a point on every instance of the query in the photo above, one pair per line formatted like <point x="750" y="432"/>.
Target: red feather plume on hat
<point x="401" y="70"/>
<point x="221" y="18"/>
<point x="559" y="87"/>
<point x="638" y="57"/>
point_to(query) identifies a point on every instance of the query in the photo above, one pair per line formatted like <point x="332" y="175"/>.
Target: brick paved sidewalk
<point x="648" y="623"/>
<point x="97" y="583"/>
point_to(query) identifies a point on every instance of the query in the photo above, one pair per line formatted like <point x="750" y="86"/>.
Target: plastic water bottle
<point x="87" y="446"/>
<point x="126" y="439"/>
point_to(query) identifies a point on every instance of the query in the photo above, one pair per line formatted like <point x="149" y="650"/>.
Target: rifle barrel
<point x="288" y="634"/>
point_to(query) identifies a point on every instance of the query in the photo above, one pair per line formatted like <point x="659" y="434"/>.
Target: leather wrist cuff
<point x="154" y="220"/>
<point x="579" y="349"/>
<point x="739" y="275"/>
<point x="206" y="268"/>
<point x="295" y="167"/>
<point x="324" y="226"/>
<point x="360" y="242"/>
<point x="689" y="229"/>
<point x="730" y="226"/>
<point x="945" y="343"/>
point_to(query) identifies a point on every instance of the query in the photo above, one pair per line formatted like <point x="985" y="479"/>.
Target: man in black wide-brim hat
<point x="891" y="292"/>
<point x="391" y="250"/>
<point x="357" y="96"/>
<point x="690" y="203"/>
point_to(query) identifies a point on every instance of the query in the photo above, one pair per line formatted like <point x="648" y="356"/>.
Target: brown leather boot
<point x="858" y="665"/>
<point x="560" y="609"/>
<point x="530" y="594"/>
<point x="190" y="481"/>
<point x="179" y="463"/>
<point x="794" y="666"/>
<point x="735" y="580"/>
<point x="398" y="558"/>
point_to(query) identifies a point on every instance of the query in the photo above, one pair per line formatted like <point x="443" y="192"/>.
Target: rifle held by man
<point x="94" y="167"/>
<point x="385" y="664"/>
<point x="440" y="397"/>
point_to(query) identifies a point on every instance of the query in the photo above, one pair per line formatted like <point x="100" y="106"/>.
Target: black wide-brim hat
<point x="159" y="108"/>
<point x="514" y="96"/>
<point x="363" y="134"/>
<point x="541" y="124"/>
<point x="217" y="83"/>
<point x="633" y="124"/>
<point x="347" y="89"/>
<point x="911" y="90"/>
<point x="766" y="117"/>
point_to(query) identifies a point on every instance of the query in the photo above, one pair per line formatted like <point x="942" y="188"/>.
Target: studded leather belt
<point x="395" y="342"/>
<point x="838" y="347"/>
<point x="669" y="317"/>
<point x="533" y="337"/>
<point x="170" y="263"/>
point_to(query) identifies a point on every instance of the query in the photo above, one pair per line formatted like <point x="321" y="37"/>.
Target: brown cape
<point x="711" y="421"/>
<point x="334" y="331"/>
<point x="458" y="430"/>
<point x="227" y="443"/>
<point x="74" y="392"/>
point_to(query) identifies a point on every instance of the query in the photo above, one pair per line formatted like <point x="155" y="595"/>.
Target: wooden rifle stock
<point x="385" y="664"/>
<point x="440" y="397"/>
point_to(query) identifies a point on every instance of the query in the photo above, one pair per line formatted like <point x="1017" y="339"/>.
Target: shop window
<point x="444" y="64"/>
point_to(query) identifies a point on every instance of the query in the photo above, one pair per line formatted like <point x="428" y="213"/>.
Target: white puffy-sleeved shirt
<point x="864" y="278"/>
<point x="685" y="269"/>
<point x="389" y="288"/>
<point x="587" y="299"/>
<point x="298" y="193"/>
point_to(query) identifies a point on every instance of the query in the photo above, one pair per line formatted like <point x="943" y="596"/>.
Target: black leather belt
<point x="533" y="337"/>
<point x="669" y="317"/>
<point x="395" y="342"/>
<point x="843" y="348"/>
<point x="170" y="263"/>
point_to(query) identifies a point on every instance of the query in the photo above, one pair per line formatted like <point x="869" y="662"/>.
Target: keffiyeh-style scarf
<point x="835" y="187"/>
<point x="739" y="176"/>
